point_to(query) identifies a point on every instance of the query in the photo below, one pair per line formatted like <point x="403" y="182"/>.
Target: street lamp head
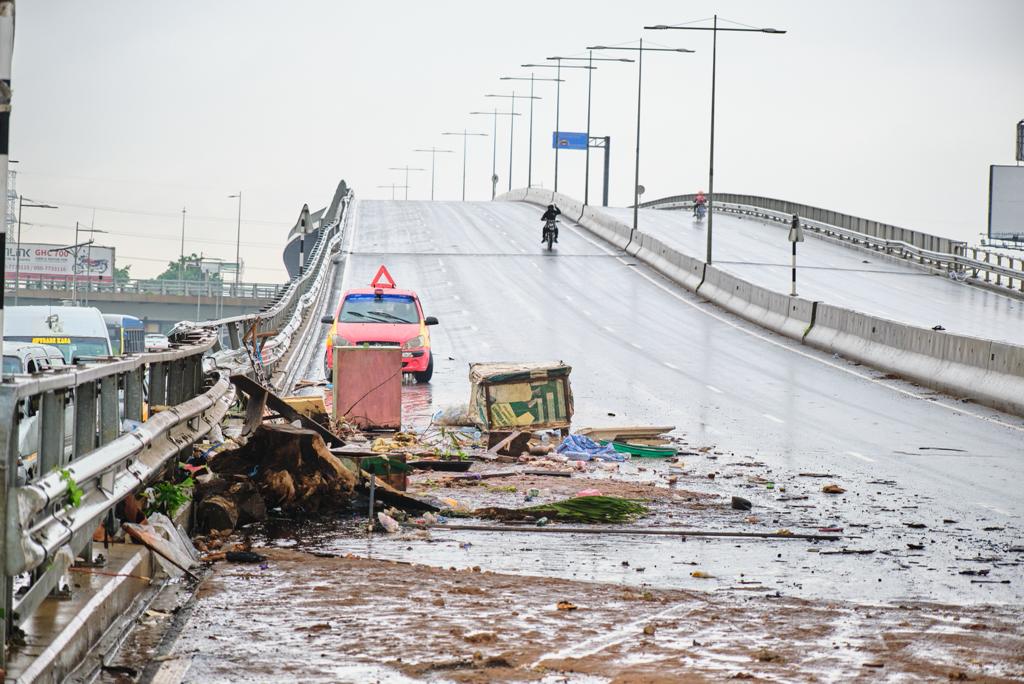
<point x="772" y="30"/>
<point x="658" y="27"/>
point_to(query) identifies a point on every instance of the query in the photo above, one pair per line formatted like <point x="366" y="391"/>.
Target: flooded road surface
<point x="927" y="581"/>
<point x="313" y="619"/>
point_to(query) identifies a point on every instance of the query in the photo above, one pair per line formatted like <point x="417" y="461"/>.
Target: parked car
<point x="157" y="342"/>
<point x="383" y="316"/>
<point x="25" y="358"/>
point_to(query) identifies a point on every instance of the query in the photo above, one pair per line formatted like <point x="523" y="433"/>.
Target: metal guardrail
<point x="989" y="268"/>
<point x="857" y="224"/>
<point x="182" y="288"/>
<point x="76" y="479"/>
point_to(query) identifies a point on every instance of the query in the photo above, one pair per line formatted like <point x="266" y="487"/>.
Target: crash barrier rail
<point x="961" y="262"/>
<point x="985" y="371"/>
<point x="182" y="288"/>
<point x="981" y="266"/>
<point x="92" y="447"/>
<point x="875" y="229"/>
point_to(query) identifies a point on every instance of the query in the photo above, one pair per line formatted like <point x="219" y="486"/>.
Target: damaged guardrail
<point x="940" y="253"/>
<point x="94" y="446"/>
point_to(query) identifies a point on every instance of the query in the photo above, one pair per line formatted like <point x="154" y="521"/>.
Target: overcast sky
<point x="888" y="109"/>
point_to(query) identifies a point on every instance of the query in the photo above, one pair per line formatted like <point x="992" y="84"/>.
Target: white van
<point x="25" y="358"/>
<point x="78" y="331"/>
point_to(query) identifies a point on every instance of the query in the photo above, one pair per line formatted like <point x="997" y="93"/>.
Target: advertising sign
<point x="59" y="263"/>
<point x="567" y="140"/>
<point x="1006" y="203"/>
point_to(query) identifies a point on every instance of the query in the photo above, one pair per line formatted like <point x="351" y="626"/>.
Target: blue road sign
<point x="569" y="141"/>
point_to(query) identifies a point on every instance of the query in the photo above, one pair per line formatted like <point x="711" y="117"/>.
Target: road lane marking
<point x="634" y="345"/>
<point x="773" y="418"/>
<point x="714" y="389"/>
<point x="861" y="456"/>
<point x="669" y="365"/>
<point x="611" y="330"/>
<point x="1000" y="511"/>
<point x="741" y="328"/>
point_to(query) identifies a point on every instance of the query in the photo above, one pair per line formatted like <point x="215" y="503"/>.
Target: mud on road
<point x="317" y="619"/>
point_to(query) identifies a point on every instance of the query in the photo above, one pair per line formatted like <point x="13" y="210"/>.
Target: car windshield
<point x="72" y="347"/>
<point x="368" y="308"/>
<point x="12" y="364"/>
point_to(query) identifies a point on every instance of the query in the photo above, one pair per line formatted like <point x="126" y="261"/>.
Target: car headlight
<point x="339" y="341"/>
<point x="413" y="343"/>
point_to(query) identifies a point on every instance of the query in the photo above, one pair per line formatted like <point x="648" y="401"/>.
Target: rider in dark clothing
<point x="550" y="215"/>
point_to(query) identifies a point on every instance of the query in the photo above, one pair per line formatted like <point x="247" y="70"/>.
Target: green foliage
<point x="452" y="447"/>
<point x="187" y="268"/>
<point x="123" y="273"/>
<point x="582" y="509"/>
<point x="74" y="491"/>
<point x="168" y="497"/>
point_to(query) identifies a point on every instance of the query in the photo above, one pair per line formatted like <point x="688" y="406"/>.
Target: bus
<point x="127" y="334"/>
<point x="78" y="331"/>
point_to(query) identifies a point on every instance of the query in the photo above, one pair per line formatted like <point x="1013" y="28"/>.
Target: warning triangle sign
<point x="383" y="278"/>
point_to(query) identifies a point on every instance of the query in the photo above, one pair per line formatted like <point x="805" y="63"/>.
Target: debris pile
<point x="280" y="466"/>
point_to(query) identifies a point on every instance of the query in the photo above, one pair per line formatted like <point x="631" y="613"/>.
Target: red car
<point x="383" y="316"/>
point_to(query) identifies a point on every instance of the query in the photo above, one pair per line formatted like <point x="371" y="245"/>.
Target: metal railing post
<point x="110" y="410"/>
<point x="85" y="419"/>
<point x="51" y="431"/>
<point x="157" y="385"/>
<point x="8" y="481"/>
<point x="133" y="395"/>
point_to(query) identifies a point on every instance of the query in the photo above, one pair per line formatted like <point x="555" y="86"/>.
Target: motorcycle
<point x="549" y="233"/>
<point x="700" y="211"/>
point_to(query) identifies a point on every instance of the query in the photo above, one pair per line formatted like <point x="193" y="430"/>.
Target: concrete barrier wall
<point x="990" y="373"/>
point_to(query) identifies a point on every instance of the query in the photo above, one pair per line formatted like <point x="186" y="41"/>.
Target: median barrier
<point x="987" y="372"/>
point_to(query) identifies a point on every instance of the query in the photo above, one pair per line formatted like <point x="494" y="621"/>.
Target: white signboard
<point x="1006" y="203"/>
<point x="58" y="262"/>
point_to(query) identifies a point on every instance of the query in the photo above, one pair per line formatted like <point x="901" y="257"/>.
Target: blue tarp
<point x="581" y="448"/>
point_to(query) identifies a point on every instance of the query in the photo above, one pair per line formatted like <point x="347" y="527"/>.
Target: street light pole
<point x="511" y="130"/>
<point x="392" y="186"/>
<point x="17" y="256"/>
<point x="529" y="156"/>
<point x="181" y="262"/>
<point x="433" y="154"/>
<point x="639" y="91"/>
<point x="494" y="152"/>
<point x="465" y="134"/>
<point x="714" y="28"/>
<point x="558" y="99"/>
<point x="238" y="239"/>
<point x="407" y="169"/>
<point x="590" y="59"/>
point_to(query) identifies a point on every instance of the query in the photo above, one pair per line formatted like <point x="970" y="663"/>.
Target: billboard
<point x="58" y="262"/>
<point x="567" y="140"/>
<point x="1006" y="203"/>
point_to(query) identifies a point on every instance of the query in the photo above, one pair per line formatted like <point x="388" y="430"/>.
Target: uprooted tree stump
<point x="292" y="469"/>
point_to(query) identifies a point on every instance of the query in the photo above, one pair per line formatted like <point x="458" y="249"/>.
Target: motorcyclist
<point x="551" y="214"/>
<point x="699" y="201"/>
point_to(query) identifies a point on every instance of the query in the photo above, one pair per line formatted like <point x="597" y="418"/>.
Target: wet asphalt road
<point x="649" y="352"/>
<point x="759" y="251"/>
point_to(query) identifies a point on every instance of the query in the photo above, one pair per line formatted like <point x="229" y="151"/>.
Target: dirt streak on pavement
<point x="329" y="619"/>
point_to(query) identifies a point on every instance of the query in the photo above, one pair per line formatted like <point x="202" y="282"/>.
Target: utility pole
<point x="238" y="239"/>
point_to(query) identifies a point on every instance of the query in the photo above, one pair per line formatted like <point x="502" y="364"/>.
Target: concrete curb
<point x="984" y="371"/>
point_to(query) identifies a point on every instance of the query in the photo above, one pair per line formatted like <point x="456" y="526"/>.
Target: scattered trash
<point x="741" y="504"/>
<point x="389" y="524"/>
<point x="243" y="557"/>
<point x="649" y="630"/>
<point x="582" y="448"/>
<point x="541" y="522"/>
<point x="700" y="574"/>
<point x="566" y="605"/>
<point x="588" y="492"/>
<point x="833" y="489"/>
<point x="765" y="656"/>
<point x="586" y="509"/>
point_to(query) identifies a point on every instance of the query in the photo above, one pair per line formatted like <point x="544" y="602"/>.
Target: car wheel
<point x="425" y="376"/>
